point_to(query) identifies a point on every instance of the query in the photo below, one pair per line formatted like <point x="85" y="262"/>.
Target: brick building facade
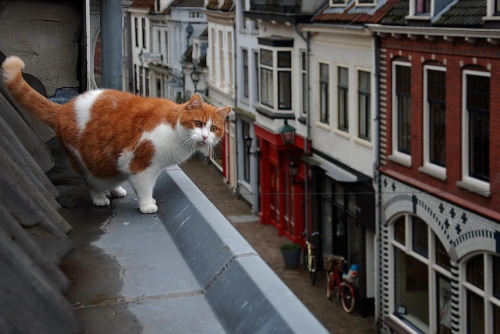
<point x="439" y="172"/>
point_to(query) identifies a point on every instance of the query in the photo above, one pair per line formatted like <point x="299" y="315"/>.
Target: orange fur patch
<point x="143" y="154"/>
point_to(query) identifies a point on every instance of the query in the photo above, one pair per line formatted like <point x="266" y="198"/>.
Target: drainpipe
<point x="376" y="165"/>
<point x="307" y="39"/>
<point x="111" y="43"/>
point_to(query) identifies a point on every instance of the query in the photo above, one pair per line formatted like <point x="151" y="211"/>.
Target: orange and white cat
<point x="113" y="136"/>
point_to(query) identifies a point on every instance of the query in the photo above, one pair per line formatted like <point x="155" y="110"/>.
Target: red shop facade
<point x="282" y="196"/>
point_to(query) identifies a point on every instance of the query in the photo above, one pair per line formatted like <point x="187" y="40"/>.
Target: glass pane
<point x="412" y="290"/>
<point x="285" y="89"/>
<point x="352" y="204"/>
<point x="420" y="237"/>
<point x="436" y="95"/>
<point x="339" y="195"/>
<point x="478" y="100"/>
<point x="422" y="6"/>
<point x="442" y="257"/>
<point x="475" y="313"/>
<point x="266" y="57"/>
<point x="266" y="79"/>
<point x="324" y="94"/>
<point x="284" y="59"/>
<point x="444" y="302"/>
<point x="400" y="230"/>
<point x="475" y="271"/>
<point x="496" y="276"/>
<point x="403" y="97"/>
<point x="343" y="77"/>
<point x="327" y="227"/>
<point x="364" y="105"/>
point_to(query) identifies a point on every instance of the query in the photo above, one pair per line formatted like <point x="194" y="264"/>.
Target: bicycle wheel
<point x="348" y="298"/>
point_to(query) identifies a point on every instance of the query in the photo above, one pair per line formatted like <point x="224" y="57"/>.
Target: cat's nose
<point x="204" y="137"/>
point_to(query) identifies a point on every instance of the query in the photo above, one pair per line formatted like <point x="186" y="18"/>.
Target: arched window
<point x="421" y="283"/>
<point x="481" y="294"/>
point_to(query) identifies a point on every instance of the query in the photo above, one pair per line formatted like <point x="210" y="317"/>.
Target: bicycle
<point x="310" y="258"/>
<point x="334" y="266"/>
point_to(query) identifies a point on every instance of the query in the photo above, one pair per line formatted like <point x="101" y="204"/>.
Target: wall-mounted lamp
<point x="287" y="133"/>
<point x="248" y="144"/>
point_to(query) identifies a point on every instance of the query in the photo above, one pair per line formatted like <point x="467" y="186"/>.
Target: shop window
<point x="421" y="283"/>
<point x="482" y="294"/>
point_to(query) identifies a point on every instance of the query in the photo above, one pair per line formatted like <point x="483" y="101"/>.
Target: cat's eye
<point x="213" y="128"/>
<point x="197" y="124"/>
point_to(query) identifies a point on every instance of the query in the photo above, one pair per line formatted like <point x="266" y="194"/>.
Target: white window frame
<point x="370" y="105"/>
<point x="341" y="3"/>
<point x="429" y="167"/>
<point x="348" y="101"/>
<point x="468" y="182"/>
<point x="486" y="294"/>
<point x="275" y="69"/>
<point x="429" y="261"/>
<point x="490" y="10"/>
<point x="396" y="155"/>
<point x="329" y="106"/>
<point x="366" y="4"/>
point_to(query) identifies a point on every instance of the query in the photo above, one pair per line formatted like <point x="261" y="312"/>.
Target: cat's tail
<point x="42" y="108"/>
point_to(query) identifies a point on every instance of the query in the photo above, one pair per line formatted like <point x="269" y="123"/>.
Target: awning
<point x="335" y="172"/>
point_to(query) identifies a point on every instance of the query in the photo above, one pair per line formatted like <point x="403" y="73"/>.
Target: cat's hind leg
<point x="99" y="187"/>
<point x="118" y="192"/>
<point x="99" y="198"/>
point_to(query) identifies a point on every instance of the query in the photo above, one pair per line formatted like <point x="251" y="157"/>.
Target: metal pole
<point x="111" y="43"/>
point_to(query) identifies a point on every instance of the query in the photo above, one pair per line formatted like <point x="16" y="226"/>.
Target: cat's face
<point x="203" y="123"/>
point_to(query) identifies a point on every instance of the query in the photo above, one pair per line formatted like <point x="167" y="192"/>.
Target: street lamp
<point x="195" y="77"/>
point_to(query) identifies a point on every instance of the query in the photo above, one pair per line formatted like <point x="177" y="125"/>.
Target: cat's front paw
<point x="149" y="208"/>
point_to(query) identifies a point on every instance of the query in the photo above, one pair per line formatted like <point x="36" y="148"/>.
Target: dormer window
<point x="365" y="2"/>
<point x="421" y="9"/>
<point x="493" y="9"/>
<point x="337" y="3"/>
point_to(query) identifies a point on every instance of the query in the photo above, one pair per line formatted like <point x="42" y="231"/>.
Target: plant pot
<point x="291" y="255"/>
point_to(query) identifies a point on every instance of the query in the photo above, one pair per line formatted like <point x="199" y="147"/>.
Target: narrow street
<point x="265" y="240"/>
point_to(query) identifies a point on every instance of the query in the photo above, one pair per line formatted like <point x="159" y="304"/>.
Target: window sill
<point x="434" y="171"/>
<point x="478" y="187"/>
<point x="342" y="134"/>
<point x="323" y="126"/>
<point x="401" y="159"/>
<point x="363" y="142"/>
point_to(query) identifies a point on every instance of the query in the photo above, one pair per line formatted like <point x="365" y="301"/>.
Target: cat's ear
<point x="194" y="102"/>
<point x="224" y="111"/>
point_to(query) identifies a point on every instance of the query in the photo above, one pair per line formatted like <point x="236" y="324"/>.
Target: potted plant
<point x="291" y="255"/>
